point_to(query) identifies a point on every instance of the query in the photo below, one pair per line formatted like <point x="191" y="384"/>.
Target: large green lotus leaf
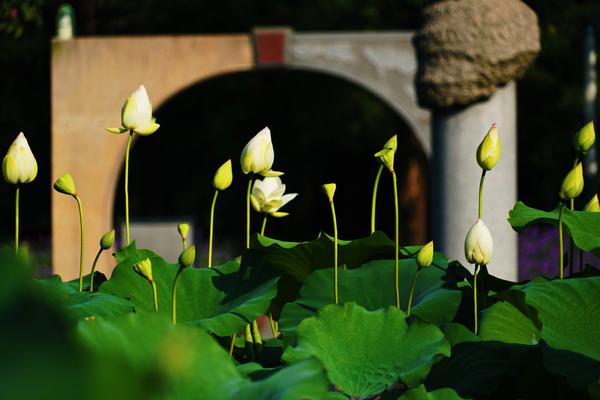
<point x="221" y="300"/>
<point x="421" y="393"/>
<point x="364" y="352"/>
<point x="372" y="287"/>
<point x="583" y="226"/>
<point x="505" y="323"/>
<point x="80" y="304"/>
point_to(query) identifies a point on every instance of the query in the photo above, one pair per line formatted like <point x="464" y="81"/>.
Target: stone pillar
<point x="470" y="52"/>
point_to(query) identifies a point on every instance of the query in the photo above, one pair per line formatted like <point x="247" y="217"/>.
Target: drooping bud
<point x="488" y="152"/>
<point x="65" y="185"/>
<point x="144" y="268"/>
<point x="479" y="245"/>
<point x="425" y="255"/>
<point x="592" y="205"/>
<point x="386" y="155"/>
<point x="585" y="138"/>
<point x="572" y="185"/>
<point x="19" y="165"/>
<point x="107" y="240"/>
<point x="187" y="257"/>
<point x="329" y="190"/>
<point x="183" y="230"/>
<point x="223" y="177"/>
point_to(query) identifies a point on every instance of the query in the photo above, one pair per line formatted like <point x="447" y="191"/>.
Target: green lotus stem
<point x="396" y="240"/>
<point x="475" y="329"/>
<point x="94" y="270"/>
<point x="17" y="219"/>
<point x="248" y="212"/>
<point x="335" y="254"/>
<point x="127" y="235"/>
<point x="374" y="198"/>
<point x="232" y="345"/>
<point x="256" y="333"/>
<point x="154" y="296"/>
<point x="560" y="240"/>
<point x="249" y="343"/>
<point x="273" y="326"/>
<point x="212" y="226"/>
<point x="264" y="225"/>
<point x="174" y="297"/>
<point x="480" y="209"/>
<point x="571" y="246"/>
<point x="412" y="290"/>
<point x="184" y="243"/>
<point x="82" y="237"/>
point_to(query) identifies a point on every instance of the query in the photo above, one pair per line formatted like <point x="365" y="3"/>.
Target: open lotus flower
<point x="258" y="156"/>
<point x="19" y="165"/>
<point x="479" y="244"/>
<point x="136" y="114"/>
<point x="268" y="196"/>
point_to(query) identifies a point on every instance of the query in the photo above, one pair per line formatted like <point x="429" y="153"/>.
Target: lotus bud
<point x="136" y="114"/>
<point x="425" y="255"/>
<point x="144" y="268"/>
<point x="187" y="257"/>
<point x="479" y="245"/>
<point x="108" y="240"/>
<point x="258" y="156"/>
<point x="223" y="177"/>
<point x="19" y="165"/>
<point x="572" y="185"/>
<point x="329" y="190"/>
<point x="386" y="155"/>
<point x="592" y="205"/>
<point x="183" y="230"/>
<point x="488" y="152"/>
<point x="65" y="185"/>
<point x="584" y="139"/>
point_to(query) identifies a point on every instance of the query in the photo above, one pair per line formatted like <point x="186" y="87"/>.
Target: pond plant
<point x="326" y="318"/>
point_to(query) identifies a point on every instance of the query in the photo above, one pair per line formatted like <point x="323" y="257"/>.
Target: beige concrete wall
<point x="91" y="77"/>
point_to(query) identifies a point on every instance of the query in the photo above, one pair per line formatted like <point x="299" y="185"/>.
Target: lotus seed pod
<point x="107" y="240"/>
<point x="19" y="165"/>
<point x="223" y="177"/>
<point x="329" y="190"/>
<point x="479" y="245"/>
<point x="65" y="185"/>
<point x="386" y="155"/>
<point x="144" y="268"/>
<point x="488" y="152"/>
<point x="585" y="138"/>
<point x="425" y="255"/>
<point x="592" y="205"/>
<point x="572" y="185"/>
<point x="187" y="256"/>
<point x="183" y="230"/>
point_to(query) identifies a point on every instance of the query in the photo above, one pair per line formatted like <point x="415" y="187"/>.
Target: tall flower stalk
<point x="136" y="117"/>
<point x="221" y="181"/>
<point x="329" y="190"/>
<point x="374" y="197"/>
<point x="186" y="259"/>
<point x="384" y="156"/>
<point x="571" y="187"/>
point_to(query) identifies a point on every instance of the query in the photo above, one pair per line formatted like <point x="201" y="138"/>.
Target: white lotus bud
<point x="19" y="165"/>
<point x="136" y="114"/>
<point x="479" y="244"/>
<point x="258" y="155"/>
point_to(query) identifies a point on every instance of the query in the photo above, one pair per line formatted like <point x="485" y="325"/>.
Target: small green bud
<point x="572" y="185"/>
<point x="488" y="152"/>
<point x="329" y="190"/>
<point x="585" y="138"/>
<point x="187" y="257"/>
<point x="183" y="230"/>
<point x="386" y="155"/>
<point x="223" y="177"/>
<point x="65" y="185"/>
<point x="108" y="240"/>
<point x="144" y="268"/>
<point x="592" y="205"/>
<point x="425" y="255"/>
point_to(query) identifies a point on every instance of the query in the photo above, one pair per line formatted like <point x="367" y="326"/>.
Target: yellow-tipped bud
<point x="107" y="240"/>
<point x="258" y="156"/>
<point x="386" y="155"/>
<point x="479" y="245"/>
<point x="488" y="152"/>
<point x="187" y="257"/>
<point x="136" y="114"/>
<point x="585" y="138"/>
<point x="223" y="177"/>
<point x="65" y="185"/>
<point x="572" y="185"/>
<point x="425" y="255"/>
<point x="183" y="230"/>
<point x="144" y="268"/>
<point x="19" y="165"/>
<point x="592" y="205"/>
<point x="329" y="190"/>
